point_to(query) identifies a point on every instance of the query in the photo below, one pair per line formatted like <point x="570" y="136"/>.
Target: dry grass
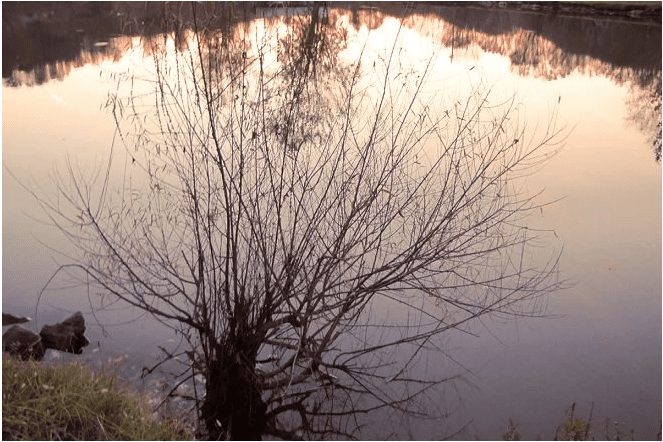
<point x="71" y="402"/>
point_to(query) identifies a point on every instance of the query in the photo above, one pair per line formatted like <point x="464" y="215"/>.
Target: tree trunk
<point x="233" y="407"/>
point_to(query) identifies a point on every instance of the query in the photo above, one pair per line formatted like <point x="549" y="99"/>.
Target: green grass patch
<point x="72" y="402"/>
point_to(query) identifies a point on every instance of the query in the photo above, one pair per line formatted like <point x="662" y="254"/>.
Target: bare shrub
<point x="284" y="209"/>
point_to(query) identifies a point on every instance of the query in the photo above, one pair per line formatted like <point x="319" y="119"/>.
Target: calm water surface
<point x="604" y="345"/>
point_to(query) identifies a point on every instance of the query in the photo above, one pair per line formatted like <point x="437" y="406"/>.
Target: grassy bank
<point x="71" y="402"/>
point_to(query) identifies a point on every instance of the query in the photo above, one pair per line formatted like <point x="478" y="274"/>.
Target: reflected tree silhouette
<point x="645" y="108"/>
<point x="312" y="46"/>
<point x="310" y="226"/>
<point x="45" y="42"/>
<point x="371" y="17"/>
<point x="532" y="54"/>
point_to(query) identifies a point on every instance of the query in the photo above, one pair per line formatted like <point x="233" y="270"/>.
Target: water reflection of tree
<point x="47" y="41"/>
<point x="309" y="57"/>
<point x="40" y="44"/>
<point x="371" y="17"/>
<point x="534" y="55"/>
<point x="44" y="41"/>
<point x="537" y="56"/>
<point x="645" y="107"/>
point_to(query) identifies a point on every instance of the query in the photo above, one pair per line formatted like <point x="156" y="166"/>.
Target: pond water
<point x="602" y="343"/>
